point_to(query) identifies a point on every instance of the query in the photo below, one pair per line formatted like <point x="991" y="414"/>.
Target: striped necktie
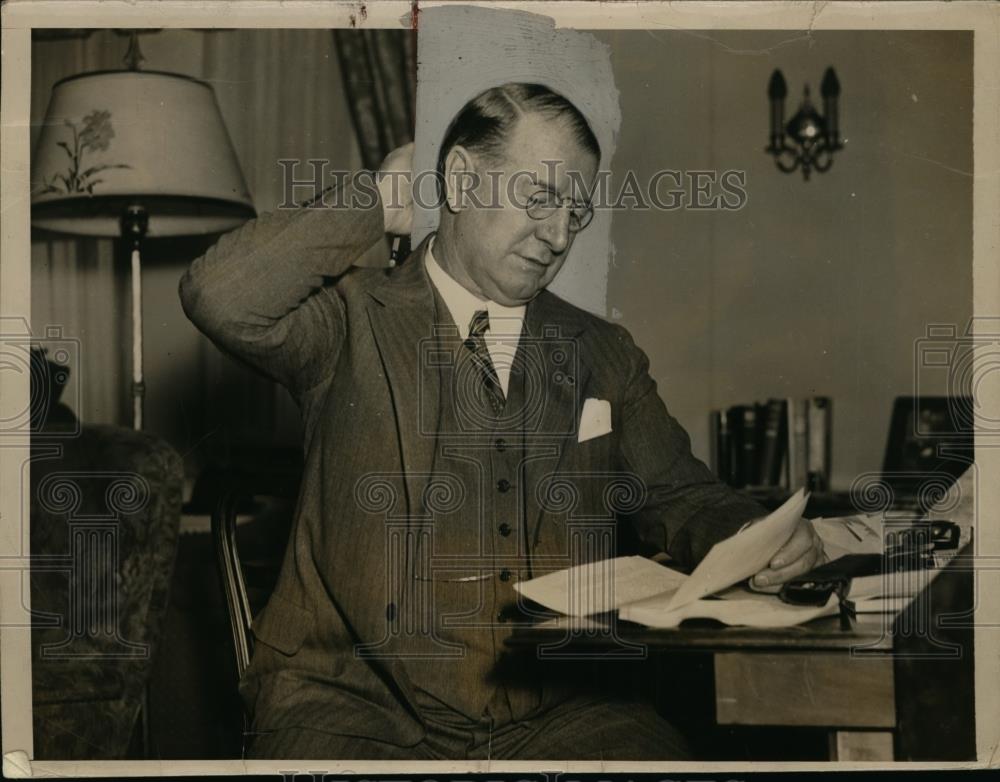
<point x="476" y="343"/>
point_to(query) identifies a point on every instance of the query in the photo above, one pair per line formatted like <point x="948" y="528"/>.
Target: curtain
<point x="281" y="95"/>
<point x="380" y="81"/>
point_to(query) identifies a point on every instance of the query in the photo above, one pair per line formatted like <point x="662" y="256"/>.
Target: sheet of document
<point x="905" y="583"/>
<point x="750" y="609"/>
<point x="602" y="586"/>
<point x="743" y="554"/>
<point x="858" y="534"/>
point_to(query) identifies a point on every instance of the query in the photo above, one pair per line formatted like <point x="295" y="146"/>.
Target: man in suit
<point x="464" y="429"/>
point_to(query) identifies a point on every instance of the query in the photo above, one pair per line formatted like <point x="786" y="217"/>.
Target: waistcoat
<point x="474" y="545"/>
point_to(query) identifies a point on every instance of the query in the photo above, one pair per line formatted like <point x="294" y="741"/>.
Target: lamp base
<point x="134" y="223"/>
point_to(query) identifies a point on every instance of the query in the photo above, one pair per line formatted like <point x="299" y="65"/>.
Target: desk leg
<point x="861" y="745"/>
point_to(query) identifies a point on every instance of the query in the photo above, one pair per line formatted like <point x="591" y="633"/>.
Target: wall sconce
<point x="814" y="138"/>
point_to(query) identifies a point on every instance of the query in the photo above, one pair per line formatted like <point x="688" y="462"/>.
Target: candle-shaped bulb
<point x="776" y="92"/>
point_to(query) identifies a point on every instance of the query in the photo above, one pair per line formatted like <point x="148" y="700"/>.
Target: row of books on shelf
<point x="779" y="443"/>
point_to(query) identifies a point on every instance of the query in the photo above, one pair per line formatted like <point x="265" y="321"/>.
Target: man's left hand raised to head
<point x="395" y="187"/>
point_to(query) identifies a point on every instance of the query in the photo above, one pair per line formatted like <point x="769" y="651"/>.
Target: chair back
<point x="231" y="576"/>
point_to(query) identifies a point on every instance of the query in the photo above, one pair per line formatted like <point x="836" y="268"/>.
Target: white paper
<point x="742" y="555"/>
<point x="602" y="586"/>
<point x="904" y="583"/>
<point x="882" y="605"/>
<point x="860" y="534"/>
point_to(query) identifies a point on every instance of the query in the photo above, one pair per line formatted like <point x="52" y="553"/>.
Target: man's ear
<point x="459" y="178"/>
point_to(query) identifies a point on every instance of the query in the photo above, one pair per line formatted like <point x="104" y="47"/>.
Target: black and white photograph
<point x="402" y="386"/>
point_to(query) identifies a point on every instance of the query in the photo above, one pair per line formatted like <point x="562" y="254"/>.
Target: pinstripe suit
<point x="280" y="294"/>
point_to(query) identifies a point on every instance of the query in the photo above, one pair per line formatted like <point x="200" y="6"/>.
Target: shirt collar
<point x="463" y="304"/>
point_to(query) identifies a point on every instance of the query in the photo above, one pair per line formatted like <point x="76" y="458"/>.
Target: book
<point x="722" y="451"/>
<point x="746" y="422"/>
<point x="796" y="413"/>
<point x="734" y="425"/>
<point x="774" y="443"/>
<point x="818" y="456"/>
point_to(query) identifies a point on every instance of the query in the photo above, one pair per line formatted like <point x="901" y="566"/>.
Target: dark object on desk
<point x="105" y="512"/>
<point x="911" y="551"/>
<point x="930" y="445"/>
<point x="924" y="535"/>
<point x="815" y="587"/>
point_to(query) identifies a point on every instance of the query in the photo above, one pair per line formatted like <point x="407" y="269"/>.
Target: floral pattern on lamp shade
<point x="93" y="134"/>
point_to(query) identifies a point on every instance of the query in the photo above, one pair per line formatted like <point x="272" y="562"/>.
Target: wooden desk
<point x="890" y="688"/>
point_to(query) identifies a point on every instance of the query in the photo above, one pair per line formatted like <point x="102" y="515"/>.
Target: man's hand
<point x="802" y="552"/>
<point x="395" y="187"/>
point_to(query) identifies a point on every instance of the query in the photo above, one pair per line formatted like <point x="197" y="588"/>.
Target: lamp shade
<point x="114" y="139"/>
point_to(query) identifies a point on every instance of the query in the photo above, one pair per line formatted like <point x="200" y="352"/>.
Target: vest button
<point x="502" y="616"/>
<point x="505" y="575"/>
<point x="505" y="529"/>
<point x="503" y="485"/>
<point x="500" y="444"/>
<point x="390" y="612"/>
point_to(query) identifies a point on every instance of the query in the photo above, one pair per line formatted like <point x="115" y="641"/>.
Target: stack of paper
<point x="729" y="562"/>
<point x="651" y="594"/>
<point x="597" y="587"/>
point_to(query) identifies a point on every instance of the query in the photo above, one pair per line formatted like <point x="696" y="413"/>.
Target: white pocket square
<point x="595" y="420"/>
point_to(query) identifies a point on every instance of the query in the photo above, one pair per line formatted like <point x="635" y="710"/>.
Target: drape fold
<point x="380" y="81"/>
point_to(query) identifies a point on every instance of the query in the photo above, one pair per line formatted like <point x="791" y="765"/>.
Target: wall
<point x="817" y="287"/>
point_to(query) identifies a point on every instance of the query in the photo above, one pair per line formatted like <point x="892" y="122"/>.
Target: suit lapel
<point x="401" y="314"/>
<point x="554" y="332"/>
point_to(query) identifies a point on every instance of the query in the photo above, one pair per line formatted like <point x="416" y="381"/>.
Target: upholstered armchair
<point x="105" y="515"/>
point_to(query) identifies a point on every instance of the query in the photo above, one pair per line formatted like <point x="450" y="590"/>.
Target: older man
<point x="462" y="425"/>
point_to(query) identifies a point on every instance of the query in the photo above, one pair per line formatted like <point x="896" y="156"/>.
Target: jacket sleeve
<point x="687" y="509"/>
<point x="264" y="292"/>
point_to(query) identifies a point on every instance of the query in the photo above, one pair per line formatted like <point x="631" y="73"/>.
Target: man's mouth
<point x="535" y="262"/>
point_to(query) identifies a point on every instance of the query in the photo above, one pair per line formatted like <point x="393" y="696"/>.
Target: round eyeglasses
<point x="543" y="203"/>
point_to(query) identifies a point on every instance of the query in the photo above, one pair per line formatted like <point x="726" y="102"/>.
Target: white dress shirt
<point x="505" y="322"/>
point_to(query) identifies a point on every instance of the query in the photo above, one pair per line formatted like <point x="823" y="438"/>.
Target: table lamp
<point x="136" y="154"/>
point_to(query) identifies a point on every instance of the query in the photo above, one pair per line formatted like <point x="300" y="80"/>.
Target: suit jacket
<point x="280" y="294"/>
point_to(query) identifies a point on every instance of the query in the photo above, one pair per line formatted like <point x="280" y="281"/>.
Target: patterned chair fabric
<point x="105" y="516"/>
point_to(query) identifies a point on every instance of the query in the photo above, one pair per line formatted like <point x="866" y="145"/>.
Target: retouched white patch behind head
<point x="463" y="50"/>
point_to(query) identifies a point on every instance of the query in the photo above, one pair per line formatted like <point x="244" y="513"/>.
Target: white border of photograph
<point x="20" y="16"/>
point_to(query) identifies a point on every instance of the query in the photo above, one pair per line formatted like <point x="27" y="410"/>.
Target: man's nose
<point x="554" y="230"/>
